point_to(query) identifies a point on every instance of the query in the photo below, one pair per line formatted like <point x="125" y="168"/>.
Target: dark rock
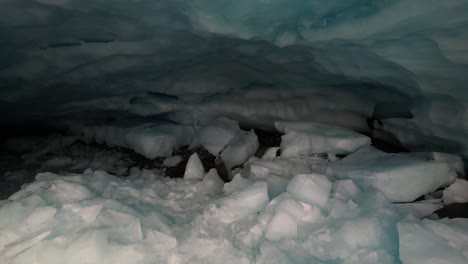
<point x="266" y="140"/>
<point x="223" y="171"/>
<point x="178" y="171"/>
<point x="456" y="210"/>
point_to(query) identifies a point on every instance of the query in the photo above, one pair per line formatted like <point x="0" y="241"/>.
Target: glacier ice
<point x="215" y="136"/>
<point x="194" y="169"/>
<point x="242" y="146"/>
<point x="302" y="138"/>
<point x="401" y="177"/>
<point x="150" y="140"/>
<point x="456" y="192"/>
<point x="313" y="189"/>
<point x="418" y="243"/>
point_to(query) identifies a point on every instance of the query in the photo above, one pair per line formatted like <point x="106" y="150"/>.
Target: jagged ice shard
<point x="266" y="108"/>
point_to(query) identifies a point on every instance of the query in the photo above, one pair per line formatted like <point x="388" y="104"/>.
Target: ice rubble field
<point x="403" y="62"/>
<point x="297" y="208"/>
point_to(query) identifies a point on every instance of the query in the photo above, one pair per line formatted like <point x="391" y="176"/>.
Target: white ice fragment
<point x="151" y="143"/>
<point x="248" y="201"/>
<point x="262" y="169"/>
<point x="125" y="228"/>
<point x="453" y="231"/>
<point x="151" y="140"/>
<point x="419" y="209"/>
<point x="160" y="241"/>
<point x="40" y="216"/>
<point x="312" y="188"/>
<point x="216" y="135"/>
<point x="291" y="207"/>
<point x="456" y="193"/>
<point x="17" y="247"/>
<point x="400" y="177"/>
<point x="240" y="148"/>
<point x="66" y="192"/>
<point x="306" y="138"/>
<point x="194" y="169"/>
<point x="51" y="252"/>
<point x="343" y="208"/>
<point x="87" y="211"/>
<point x="270" y="153"/>
<point x="454" y="162"/>
<point x="270" y="254"/>
<point x="282" y="225"/>
<point x="346" y="189"/>
<point x="420" y="245"/>
<point x="13" y="213"/>
<point x="90" y="246"/>
<point x="276" y="184"/>
<point x="236" y="184"/>
<point x="211" y="183"/>
<point x="362" y="232"/>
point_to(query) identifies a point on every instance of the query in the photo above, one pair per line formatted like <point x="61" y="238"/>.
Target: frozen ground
<point x="310" y="207"/>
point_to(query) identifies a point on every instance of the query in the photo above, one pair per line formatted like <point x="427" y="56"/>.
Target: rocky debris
<point x="266" y="140"/>
<point x="456" y="210"/>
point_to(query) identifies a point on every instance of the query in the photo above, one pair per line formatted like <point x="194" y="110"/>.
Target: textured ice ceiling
<point x="403" y="61"/>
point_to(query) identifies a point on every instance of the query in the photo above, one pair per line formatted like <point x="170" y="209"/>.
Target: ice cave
<point x="245" y="131"/>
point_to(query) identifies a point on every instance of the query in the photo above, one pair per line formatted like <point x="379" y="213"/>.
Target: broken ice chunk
<point x="343" y="208"/>
<point x="90" y="246"/>
<point x="420" y="245"/>
<point x="194" y="169"/>
<point x="87" y="210"/>
<point x="400" y="177"/>
<point x="276" y="184"/>
<point x="40" y="216"/>
<point x="240" y="148"/>
<point x="456" y="193"/>
<point x="454" y="231"/>
<point x="66" y="192"/>
<point x="312" y="188"/>
<point x="455" y="162"/>
<point x="238" y="183"/>
<point x="362" y="232"/>
<point x="160" y="241"/>
<point x="270" y="254"/>
<point x="345" y="189"/>
<point x="125" y="228"/>
<point x="18" y="246"/>
<point x="150" y="140"/>
<point x="282" y="225"/>
<point x="270" y="153"/>
<point x="216" y="135"/>
<point x="211" y="183"/>
<point x="248" y="201"/>
<point x="306" y="138"/>
<point x="419" y="209"/>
